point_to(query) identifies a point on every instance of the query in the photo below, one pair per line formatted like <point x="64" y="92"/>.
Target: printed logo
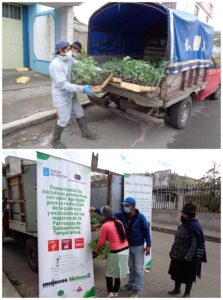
<point x="66" y="244"/>
<point x="54" y="282"/>
<point x="81" y="277"/>
<point x="79" y="289"/>
<point x="46" y="171"/>
<point x="60" y="293"/>
<point x="53" y="245"/>
<point x="77" y="177"/>
<point x="79" y="243"/>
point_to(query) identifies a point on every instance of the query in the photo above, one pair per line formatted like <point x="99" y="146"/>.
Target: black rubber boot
<point x="176" y="290"/>
<point x="187" y="290"/>
<point x="55" y="142"/>
<point x="85" y="132"/>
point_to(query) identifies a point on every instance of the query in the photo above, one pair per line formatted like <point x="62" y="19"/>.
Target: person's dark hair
<point x="119" y="227"/>
<point x="190" y="209"/>
<point x="120" y="230"/>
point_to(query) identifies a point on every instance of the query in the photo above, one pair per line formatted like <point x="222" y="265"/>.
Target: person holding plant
<point x="113" y="231"/>
<point x="63" y="92"/>
<point x="138" y="233"/>
<point x="187" y="252"/>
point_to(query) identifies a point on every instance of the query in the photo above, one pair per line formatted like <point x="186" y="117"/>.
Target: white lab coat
<point x="63" y="91"/>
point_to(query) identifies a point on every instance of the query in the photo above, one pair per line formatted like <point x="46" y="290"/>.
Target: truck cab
<point x="213" y="83"/>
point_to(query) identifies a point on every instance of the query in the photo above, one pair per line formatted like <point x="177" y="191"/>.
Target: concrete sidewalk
<point x="27" y="104"/>
<point x="9" y="290"/>
<point x="210" y="235"/>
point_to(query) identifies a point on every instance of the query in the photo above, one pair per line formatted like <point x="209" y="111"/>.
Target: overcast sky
<point x="86" y="9"/>
<point x="193" y="163"/>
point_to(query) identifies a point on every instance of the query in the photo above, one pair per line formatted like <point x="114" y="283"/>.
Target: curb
<point x="8" y="289"/>
<point x="37" y="118"/>
<point x="210" y="238"/>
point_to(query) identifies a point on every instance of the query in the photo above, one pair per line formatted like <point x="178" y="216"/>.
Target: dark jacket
<point x="185" y="244"/>
<point x="189" y="244"/>
<point x="137" y="228"/>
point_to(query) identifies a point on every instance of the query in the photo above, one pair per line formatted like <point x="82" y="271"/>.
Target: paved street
<point x="117" y="132"/>
<point x="157" y="281"/>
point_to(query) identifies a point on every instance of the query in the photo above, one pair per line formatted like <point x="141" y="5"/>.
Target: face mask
<point x="127" y="209"/>
<point x="69" y="54"/>
<point x="75" y="55"/>
<point x="183" y="219"/>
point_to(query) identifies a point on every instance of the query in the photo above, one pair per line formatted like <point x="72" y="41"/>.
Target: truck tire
<point x="217" y="94"/>
<point x="32" y="253"/>
<point x="180" y="113"/>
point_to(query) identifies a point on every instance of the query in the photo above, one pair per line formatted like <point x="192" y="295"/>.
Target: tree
<point x="212" y="175"/>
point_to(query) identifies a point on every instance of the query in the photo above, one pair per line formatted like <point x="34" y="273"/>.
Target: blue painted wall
<point x="25" y="36"/>
<point x="33" y="11"/>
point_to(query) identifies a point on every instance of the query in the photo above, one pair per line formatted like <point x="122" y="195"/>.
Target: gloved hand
<point x="87" y="90"/>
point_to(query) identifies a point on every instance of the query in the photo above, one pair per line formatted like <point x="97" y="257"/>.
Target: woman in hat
<point x="113" y="231"/>
<point x="187" y="252"/>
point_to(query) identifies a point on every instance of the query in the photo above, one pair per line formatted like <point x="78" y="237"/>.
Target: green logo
<point x="60" y="293"/>
<point x="42" y="156"/>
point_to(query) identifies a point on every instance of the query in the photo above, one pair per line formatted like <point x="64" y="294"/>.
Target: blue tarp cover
<point x="120" y="28"/>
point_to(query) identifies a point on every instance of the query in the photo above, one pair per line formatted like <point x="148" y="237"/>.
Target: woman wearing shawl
<point x="187" y="252"/>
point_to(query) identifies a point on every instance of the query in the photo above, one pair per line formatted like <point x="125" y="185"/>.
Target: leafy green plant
<point x="86" y="72"/>
<point x="143" y="72"/>
<point x="102" y="252"/>
<point x="213" y="203"/>
<point x="95" y="219"/>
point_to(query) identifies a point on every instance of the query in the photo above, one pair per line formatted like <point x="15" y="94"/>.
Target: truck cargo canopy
<point x="129" y="28"/>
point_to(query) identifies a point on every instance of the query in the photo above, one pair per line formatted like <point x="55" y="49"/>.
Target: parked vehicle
<point x="20" y="201"/>
<point x="153" y="31"/>
<point x="20" y="204"/>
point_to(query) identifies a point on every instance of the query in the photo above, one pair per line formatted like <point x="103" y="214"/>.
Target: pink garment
<point x="109" y="233"/>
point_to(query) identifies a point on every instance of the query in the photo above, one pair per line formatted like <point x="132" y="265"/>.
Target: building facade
<point x="29" y="33"/>
<point x="203" y="10"/>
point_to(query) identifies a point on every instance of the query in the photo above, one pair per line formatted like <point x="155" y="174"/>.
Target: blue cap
<point x="129" y="201"/>
<point x="60" y="45"/>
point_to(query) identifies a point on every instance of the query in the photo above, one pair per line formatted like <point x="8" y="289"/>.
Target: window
<point x="171" y="5"/>
<point x="196" y="10"/>
<point x="11" y="11"/>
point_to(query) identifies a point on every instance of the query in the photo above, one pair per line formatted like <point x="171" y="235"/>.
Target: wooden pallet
<point x="117" y="82"/>
<point x="98" y="88"/>
<point x="139" y="88"/>
<point x="116" y="79"/>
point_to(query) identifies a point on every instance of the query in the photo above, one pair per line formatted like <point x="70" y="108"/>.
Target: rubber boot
<point x="187" y="290"/>
<point x="176" y="290"/>
<point x="55" y="142"/>
<point x="85" y="132"/>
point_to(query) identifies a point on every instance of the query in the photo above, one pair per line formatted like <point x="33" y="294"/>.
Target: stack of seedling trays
<point x="86" y="72"/>
<point x="141" y="76"/>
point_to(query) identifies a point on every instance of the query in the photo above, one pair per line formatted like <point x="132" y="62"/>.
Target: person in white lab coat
<point x="63" y="94"/>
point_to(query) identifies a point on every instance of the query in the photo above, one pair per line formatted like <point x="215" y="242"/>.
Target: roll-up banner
<point x="140" y="187"/>
<point x="63" y="201"/>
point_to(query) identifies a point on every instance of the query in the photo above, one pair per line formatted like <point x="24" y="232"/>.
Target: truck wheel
<point x="180" y="113"/>
<point x="32" y="253"/>
<point x="217" y="94"/>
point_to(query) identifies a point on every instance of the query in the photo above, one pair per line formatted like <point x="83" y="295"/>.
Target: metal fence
<point x="207" y="197"/>
<point x="165" y="197"/>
